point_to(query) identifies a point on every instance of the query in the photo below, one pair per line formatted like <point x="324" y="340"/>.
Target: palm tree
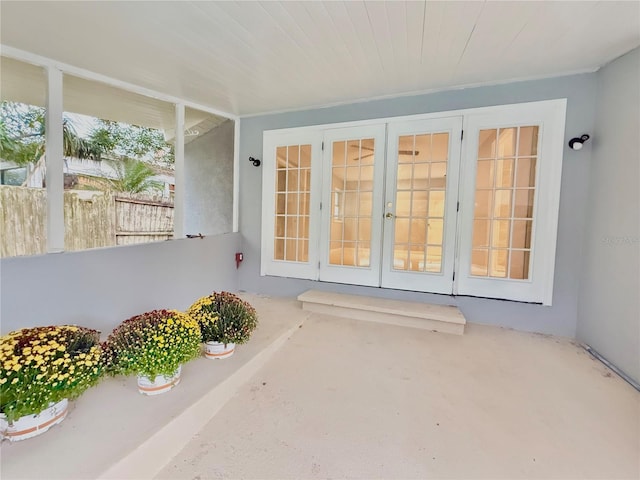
<point x="134" y="176"/>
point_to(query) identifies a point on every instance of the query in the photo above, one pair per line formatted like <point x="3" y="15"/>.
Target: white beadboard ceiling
<point x="253" y="57"/>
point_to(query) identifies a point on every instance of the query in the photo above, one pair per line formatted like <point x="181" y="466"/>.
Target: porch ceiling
<point x="252" y="57"/>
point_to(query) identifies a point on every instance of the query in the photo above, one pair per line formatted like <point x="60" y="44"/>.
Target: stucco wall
<point x="99" y="288"/>
<point x="580" y="91"/>
<point x="609" y="302"/>
<point x="209" y="182"/>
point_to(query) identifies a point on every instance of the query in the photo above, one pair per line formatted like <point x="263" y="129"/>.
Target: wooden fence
<point x="92" y="219"/>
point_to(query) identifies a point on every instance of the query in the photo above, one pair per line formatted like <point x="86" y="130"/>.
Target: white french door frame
<point x="548" y="114"/>
<point x="550" y="117"/>
<point x="441" y="282"/>
<point x="356" y="275"/>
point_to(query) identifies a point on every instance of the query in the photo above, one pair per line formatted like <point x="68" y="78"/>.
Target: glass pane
<point x="406" y="149"/>
<point x="504" y="173"/>
<point x="349" y="254"/>
<point x="366" y="178"/>
<point x="438" y="172"/>
<point x="337" y="231"/>
<point x="402" y="230"/>
<point x="403" y="204"/>
<point x="500" y="232"/>
<point x="280" y="226"/>
<point x="507" y="142"/>
<point x="439" y="147"/>
<point x="483" y="204"/>
<point x="350" y="204"/>
<point x="420" y="202"/>
<point x="436" y="203"/>
<point x="400" y="257"/>
<point x="521" y="234"/>
<point x="339" y="153"/>
<point x="365" y="204"/>
<point x="335" y="253"/>
<point x="502" y="207"/>
<point x="526" y="172"/>
<point x="293" y="156"/>
<point x="292" y="204"/>
<point x="292" y="227"/>
<point x="303" y="250"/>
<point x="434" y="259"/>
<point x="305" y="156"/>
<point x="434" y="232"/>
<point x="281" y="202"/>
<point x="528" y="144"/>
<point x="350" y="229"/>
<point x="305" y="180"/>
<point x="422" y="148"/>
<point x="290" y="252"/>
<point x="484" y="174"/>
<point x="524" y="203"/>
<point x="519" y="266"/>
<point x="367" y="145"/>
<point x="337" y="180"/>
<point x="364" y="230"/>
<point x="304" y="204"/>
<point x="480" y="262"/>
<point x="353" y="152"/>
<point x="278" y="249"/>
<point x="303" y="227"/>
<point x="498" y="263"/>
<point x="281" y="181"/>
<point x="419" y="231"/>
<point x="487" y="143"/>
<point x="281" y="157"/>
<point x="481" y="233"/>
<point x="292" y="181"/>
<point x="404" y="177"/>
<point x="416" y="259"/>
<point x="420" y="176"/>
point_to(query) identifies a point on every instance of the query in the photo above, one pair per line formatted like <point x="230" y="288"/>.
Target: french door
<point x="389" y="220"/>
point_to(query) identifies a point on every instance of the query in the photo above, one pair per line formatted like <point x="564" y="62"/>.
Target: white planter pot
<point x="158" y="385"/>
<point x="33" y="425"/>
<point x="215" y="350"/>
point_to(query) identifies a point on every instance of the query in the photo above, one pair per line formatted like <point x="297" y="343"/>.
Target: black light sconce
<point x="578" y="142"/>
<point x="255" y="161"/>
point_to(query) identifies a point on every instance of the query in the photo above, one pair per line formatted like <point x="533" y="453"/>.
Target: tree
<point x="132" y="141"/>
<point x="134" y="176"/>
<point x="22" y="135"/>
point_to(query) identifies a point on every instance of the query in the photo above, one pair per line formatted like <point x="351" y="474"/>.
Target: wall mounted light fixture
<point x="578" y="142"/>
<point x="255" y="161"/>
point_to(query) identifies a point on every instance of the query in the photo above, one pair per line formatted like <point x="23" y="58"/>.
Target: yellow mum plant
<point x="44" y="365"/>
<point x="153" y="343"/>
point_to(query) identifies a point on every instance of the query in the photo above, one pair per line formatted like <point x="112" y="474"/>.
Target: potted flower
<point x="225" y="320"/>
<point x="40" y="370"/>
<point x="153" y="345"/>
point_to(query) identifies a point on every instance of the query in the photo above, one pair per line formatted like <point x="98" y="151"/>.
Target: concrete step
<point x="426" y="316"/>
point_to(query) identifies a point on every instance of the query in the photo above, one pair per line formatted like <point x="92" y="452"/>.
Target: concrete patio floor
<point x="352" y="399"/>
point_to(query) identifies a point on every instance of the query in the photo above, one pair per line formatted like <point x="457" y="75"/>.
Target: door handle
<point x="389" y="215"/>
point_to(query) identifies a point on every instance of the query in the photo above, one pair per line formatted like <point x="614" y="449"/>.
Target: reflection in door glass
<point x="419" y="202"/>
<point x="352" y="198"/>
<point x="503" y="214"/>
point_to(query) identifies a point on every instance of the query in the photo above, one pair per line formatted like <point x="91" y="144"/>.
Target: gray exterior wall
<point x="208" y="174"/>
<point x="100" y="288"/>
<point x="609" y="302"/>
<point x="580" y="91"/>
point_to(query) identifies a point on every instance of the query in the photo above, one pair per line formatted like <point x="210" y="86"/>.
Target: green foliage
<point x="224" y="317"/>
<point x="134" y="176"/>
<point x="133" y="141"/>
<point x="22" y="135"/>
<point x="43" y="365"/>
<point x="154" y="343"/>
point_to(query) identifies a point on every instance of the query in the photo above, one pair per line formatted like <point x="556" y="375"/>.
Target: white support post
<point x="54" y="161"/>
<point x="179" y="195"/>
<point x="236" y="174"/>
